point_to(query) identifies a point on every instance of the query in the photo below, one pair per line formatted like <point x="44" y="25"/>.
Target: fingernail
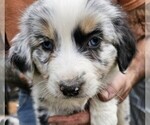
<point x="105" y="95"/>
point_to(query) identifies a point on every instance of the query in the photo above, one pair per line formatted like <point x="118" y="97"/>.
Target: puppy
<point x="72" y="49"/>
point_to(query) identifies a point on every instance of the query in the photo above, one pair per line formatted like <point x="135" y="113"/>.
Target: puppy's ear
<point x="20" y="56"/>
<point x="126" y="43"/>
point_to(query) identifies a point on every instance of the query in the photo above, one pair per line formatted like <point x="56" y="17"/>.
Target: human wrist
<point x="131" y="77"/>
<point x="136" y="73"/>
<point x="136" y="70"/>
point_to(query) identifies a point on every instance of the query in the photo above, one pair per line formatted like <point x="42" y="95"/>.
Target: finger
<point x="117" y="84"/>
<point x="110" y="92"/>
<point x="124" y="95"/>
<point x="79" y="118"/>
<point x="121" y="95"/>
<point x="126" y="89"/>
<point x="103" y="96"/>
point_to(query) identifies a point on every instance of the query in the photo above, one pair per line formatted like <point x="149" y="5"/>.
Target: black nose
<point x="70" y="91"/>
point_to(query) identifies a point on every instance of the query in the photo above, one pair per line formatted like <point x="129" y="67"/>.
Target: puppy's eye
<point x="94" y="42"/>
<point x="47" y="46"/>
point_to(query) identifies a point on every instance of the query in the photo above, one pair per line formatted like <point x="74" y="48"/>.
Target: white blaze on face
<point x="70" y="64"/>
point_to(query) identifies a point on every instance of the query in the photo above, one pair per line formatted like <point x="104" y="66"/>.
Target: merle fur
<point x="126" y="48"/>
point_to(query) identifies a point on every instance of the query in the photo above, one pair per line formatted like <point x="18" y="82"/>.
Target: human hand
<point x="119" y="87"/>
<point x="82" y="118"/>
<point x="123" y="83"/>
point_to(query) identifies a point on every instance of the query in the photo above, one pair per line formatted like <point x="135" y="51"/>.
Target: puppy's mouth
<point x="86" y="108"/>
<point x="75" y="97"/>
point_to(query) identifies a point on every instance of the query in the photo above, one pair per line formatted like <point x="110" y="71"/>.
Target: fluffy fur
<point x="73" y="44"/>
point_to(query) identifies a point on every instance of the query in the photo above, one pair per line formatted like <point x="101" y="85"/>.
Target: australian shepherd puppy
<point x="71" y="50"/>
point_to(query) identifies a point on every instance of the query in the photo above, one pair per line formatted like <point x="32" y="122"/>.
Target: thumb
<point x="110" y="92"/>
<point x="114" y="88"/>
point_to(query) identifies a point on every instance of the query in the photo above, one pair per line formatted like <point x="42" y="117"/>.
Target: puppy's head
<point x="74" y="43"/>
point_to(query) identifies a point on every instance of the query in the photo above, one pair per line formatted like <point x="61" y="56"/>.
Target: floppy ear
<point x="20" y="56"/>
<point x="126" y="43"/>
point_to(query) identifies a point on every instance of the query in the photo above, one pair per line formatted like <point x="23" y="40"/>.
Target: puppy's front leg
<point x="103" y="113"/>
